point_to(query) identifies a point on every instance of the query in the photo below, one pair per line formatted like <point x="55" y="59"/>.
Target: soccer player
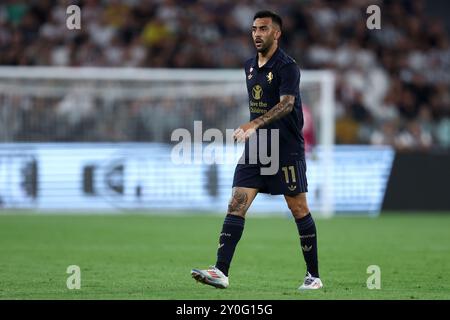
<point x="273" y="80"/>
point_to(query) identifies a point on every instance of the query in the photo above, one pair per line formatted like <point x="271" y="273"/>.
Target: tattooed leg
<point x="240" y="201"/>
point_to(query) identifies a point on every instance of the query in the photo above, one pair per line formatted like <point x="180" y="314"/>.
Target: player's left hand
<point x="242" y="133"/>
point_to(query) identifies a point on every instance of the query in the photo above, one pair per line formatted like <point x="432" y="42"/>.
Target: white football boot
<point x="211" y="276"/>
<point x="311" y="283"/>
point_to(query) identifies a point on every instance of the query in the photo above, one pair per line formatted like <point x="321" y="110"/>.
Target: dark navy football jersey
<point x="279" y="76"/>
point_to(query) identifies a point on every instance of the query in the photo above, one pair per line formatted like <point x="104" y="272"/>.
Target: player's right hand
<point x="244" y="132"/>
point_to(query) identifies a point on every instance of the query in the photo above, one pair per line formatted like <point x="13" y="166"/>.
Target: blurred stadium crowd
<point x="393" y="84"/>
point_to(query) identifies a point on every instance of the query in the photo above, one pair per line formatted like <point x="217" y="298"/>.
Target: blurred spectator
<point x="443" y="132"/>
<point x="385" y="134"/>
<point x="413" y="137"/>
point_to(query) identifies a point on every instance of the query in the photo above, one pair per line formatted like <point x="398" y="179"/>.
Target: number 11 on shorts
<point x="286" y="173"/>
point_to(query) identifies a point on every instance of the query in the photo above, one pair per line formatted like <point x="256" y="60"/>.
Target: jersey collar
<point x="269" y="64"/>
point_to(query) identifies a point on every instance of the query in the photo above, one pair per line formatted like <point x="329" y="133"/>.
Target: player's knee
<point x="235" y="209"/>
<point x="238" y="203"/>
<point x="298" y="209"/>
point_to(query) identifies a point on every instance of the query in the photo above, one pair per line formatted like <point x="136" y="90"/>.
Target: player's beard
<point x="265" y="47"/>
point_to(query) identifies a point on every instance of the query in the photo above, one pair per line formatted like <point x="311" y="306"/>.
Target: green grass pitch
<point x="137" y="256"/>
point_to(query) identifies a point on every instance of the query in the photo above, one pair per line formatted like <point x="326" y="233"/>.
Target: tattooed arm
<point x="283" y="108"/>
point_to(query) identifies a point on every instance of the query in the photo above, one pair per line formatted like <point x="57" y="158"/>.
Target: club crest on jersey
<point x="269" y="77"/>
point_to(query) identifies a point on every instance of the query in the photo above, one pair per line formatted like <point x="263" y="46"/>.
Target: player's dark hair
<point x="269" y="14"/>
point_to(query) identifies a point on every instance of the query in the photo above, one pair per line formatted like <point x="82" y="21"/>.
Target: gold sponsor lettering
<point x="257" y="110"/>
<point x="258" y="104"/>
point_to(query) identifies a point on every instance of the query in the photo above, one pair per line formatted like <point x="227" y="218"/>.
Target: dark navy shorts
<point x="290" y="178"/>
